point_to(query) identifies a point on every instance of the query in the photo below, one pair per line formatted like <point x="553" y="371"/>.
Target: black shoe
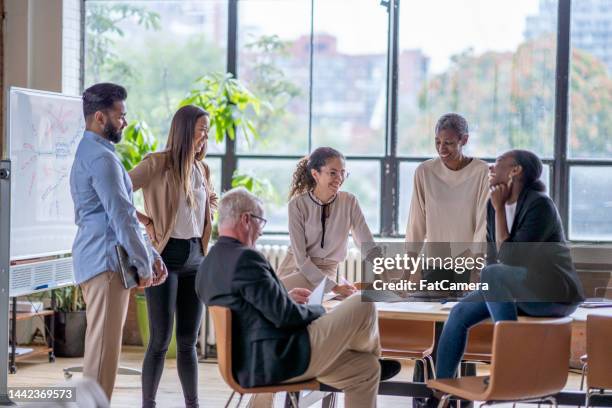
<point x="389" y="369"/>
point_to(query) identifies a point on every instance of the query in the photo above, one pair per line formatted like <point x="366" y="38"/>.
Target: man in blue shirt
<point x="105" y="215"/>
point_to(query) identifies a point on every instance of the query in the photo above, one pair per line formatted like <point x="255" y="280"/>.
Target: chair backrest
<point x="530" y="358"/>
<point x="599" y="351"/>
<point x="409" y="335"/>
<point x="480" y="339"/>
<point x="222" y="319"/>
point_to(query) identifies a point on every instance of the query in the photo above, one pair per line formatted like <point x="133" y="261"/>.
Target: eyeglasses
<point x="261" y="220"/>
<point x="334" y="174"/>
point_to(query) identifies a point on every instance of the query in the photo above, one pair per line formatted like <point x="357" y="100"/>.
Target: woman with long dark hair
<point x="179" y="202"/>
<point x="529" y="268"/>
<point x="320" y="220"/>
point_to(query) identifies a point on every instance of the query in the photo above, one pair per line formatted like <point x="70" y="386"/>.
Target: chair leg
<point x="230" y="399"/>
<point x="552" y="400"/>
<point x="444" y="401"/>
<point x="329" y="401"/>
<point x="587" y="398"/>
<point x="294" y="399"/>
<point x="432" y="367"/>
<point x="425" y="369"/>
<point x="239" y="400"/>
<point x="584" y="368"/>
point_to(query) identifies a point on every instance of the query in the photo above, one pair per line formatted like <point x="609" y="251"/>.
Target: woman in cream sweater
<point x="449" y="199"/>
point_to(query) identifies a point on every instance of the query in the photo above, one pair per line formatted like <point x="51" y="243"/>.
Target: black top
<point x="537" y="242"/>
<point x="270" y="340"/>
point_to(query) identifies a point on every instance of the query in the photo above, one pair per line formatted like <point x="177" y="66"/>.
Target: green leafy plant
<point x="229" y="103"/>
<point x="69" y="299"/>
<point x="262" y="188"/>
<point x="138" y="141"/>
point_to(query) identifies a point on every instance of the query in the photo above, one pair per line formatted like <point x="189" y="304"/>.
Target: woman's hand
<point x="344" y="290"/>
<point x="300" y="295"/>
<point x="500" y="193"/>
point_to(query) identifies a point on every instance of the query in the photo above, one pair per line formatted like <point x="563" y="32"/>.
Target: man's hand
<point x="344" y="290"/>
<point x="499" y="196"/>
<point x="300" y="295"/>
<point x="160" y="272"/>
<point x="145" y="220"/>
<point x="144" y="282"/>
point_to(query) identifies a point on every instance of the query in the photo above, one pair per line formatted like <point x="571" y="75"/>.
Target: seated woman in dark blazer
<point x="529" y="268"/>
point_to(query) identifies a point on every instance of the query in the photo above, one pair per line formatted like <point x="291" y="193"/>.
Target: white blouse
<point x="190" y="220"/>
<point x="306" y="231"/>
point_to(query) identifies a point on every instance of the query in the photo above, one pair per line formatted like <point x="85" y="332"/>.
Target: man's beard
<point x="112" y="133"/>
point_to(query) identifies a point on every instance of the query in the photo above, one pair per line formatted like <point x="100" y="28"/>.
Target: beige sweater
<point x="447" y="205"/>
<point x="305" y="232"/>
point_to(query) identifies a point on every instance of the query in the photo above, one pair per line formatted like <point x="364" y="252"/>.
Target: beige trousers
<point x="107" y="303"/>
<point x="344" y="352"/>
<point x="292" y="277"/>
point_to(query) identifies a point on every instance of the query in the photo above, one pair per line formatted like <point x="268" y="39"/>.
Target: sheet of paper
<point x="316" y="297"/>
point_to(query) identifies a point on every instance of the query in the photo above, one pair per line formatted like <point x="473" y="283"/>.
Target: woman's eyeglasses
<point x="337" y="174"/>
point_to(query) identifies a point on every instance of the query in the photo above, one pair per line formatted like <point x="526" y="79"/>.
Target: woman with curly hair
<point x="320" y="220"/>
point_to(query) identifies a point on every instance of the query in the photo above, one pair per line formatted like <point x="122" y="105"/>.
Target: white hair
<point x="236" y="202"/>
<point x="452" y="121"/>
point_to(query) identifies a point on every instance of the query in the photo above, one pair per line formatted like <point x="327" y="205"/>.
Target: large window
<point x="273" y="60"/>
<point x="325" y="83"/>
<point x="590" y="121"/>
<point x="371" y="78"/>
<point x="481" y="59"/>
<point x="156" y="49"/>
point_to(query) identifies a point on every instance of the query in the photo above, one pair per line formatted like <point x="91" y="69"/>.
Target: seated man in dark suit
<point x="278" y="338"/>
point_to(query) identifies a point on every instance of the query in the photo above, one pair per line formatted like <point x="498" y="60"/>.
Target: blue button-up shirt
<point x="104" y="212"/>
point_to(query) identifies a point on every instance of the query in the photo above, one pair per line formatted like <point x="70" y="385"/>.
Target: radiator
<point x="350" y="270"/>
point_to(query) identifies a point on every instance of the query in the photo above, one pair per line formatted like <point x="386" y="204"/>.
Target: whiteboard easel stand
<point x="5" y="235"/>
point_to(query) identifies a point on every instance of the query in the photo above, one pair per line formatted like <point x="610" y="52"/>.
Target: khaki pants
<point x="291" y="277"/>
<point x="344" y="352"/>
<point x="107" y="303"/>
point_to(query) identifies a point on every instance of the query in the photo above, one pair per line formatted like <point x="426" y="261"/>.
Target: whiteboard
<point x="44" y="130"/>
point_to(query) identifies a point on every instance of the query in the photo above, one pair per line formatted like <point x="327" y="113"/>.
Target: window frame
<point x="560" y="164"/>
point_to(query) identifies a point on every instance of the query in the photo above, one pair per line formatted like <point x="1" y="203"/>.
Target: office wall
<point x="32" y="46"/>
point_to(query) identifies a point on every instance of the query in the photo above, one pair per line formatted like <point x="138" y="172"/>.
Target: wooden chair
<point x="408" y="339"/>
<point x="480" y="343"/>
<point x="222" y="320"/>
<point x="599" y="352"/>
<point x="530" y="363"/>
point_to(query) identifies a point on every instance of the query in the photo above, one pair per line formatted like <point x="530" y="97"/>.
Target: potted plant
<point x="70" y="322"/>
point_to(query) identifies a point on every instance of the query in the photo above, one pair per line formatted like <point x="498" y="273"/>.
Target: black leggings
<point x="176" y="295"/>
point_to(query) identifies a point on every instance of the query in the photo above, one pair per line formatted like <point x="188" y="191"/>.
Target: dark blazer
<point x="270" y="340"/>
<point x="537" y="242"/>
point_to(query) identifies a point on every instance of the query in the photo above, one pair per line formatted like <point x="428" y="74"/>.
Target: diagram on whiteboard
<point x="45" y="130"/>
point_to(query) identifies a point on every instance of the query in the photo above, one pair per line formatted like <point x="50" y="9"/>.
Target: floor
<point x="213" y="392"/>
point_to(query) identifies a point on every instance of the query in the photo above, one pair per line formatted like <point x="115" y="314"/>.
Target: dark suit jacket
<point x="270" y="340"/>
<point x="537" y="242"/>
